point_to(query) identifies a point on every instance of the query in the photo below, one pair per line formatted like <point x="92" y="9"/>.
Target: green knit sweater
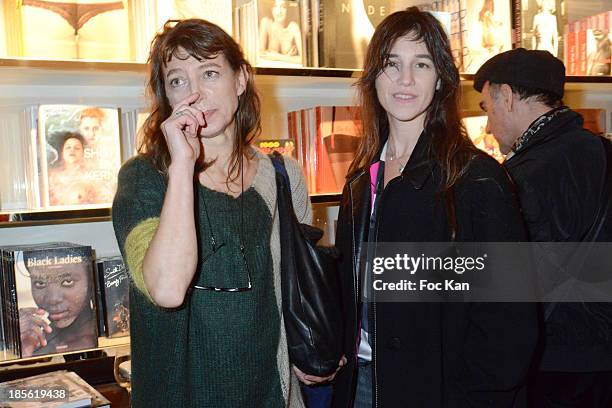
<point x="219" y="349"/>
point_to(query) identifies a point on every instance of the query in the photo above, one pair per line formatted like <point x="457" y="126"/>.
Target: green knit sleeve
<point x="136" y="210"/>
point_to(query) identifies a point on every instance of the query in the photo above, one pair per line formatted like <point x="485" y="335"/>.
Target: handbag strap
<point x="279" y="166"/>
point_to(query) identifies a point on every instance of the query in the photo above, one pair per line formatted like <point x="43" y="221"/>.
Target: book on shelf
<point x="448" y="14"/>
<point x="345" y="30"/>
<point x="48" y="302"/>
<point x="113" y="305"/>
<point x="19" y="187"/>
<point x="594" y="119"/>
<point x="476" y="129"/>
<point x="272" y="33"/>
<point x="486" y="31"/>
<point x="217" y="12"/>
<point x="283" y="146"/>
<point x="345" y="27"/>
<point x="588" y="48"/>
<point x="326" y="138"/>
<point x="79" y="155"/>
<point x="79" y="29"/>
<point x="56" y="389"/>
<point x="539" y="25"/>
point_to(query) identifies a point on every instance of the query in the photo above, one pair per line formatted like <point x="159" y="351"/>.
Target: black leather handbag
<point x="312" y="307"/>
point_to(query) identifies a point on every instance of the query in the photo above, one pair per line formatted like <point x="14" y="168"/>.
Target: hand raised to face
<point x="182" y="130"/>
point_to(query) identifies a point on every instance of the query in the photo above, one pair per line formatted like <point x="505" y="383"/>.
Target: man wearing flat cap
<point x="562" y="175"/>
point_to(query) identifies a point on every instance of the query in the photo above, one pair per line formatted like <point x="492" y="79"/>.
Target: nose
<point x="406" y="76"/>
<point x="199" y="87"/>
<point x="54" y="295"/>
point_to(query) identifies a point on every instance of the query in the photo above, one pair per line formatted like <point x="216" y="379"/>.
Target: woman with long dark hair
<point x="418" y="178"/>
<point x="196" y="221"/>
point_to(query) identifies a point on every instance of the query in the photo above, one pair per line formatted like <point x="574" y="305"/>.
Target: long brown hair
<point x="202" y="40"/>
<point x="450" y="146"/>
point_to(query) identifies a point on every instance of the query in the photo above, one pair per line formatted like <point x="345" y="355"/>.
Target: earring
<point x="438" y="85"/>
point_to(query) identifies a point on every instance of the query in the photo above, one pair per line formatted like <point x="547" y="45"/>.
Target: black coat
<point x="435" y="354"/>
<point x="560" y="174"/>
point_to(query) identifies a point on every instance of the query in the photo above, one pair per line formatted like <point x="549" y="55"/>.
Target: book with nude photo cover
<point x="75" y="29"/>
<point x="53" y="286"/>
<point x="79" y="155"/>
<point x="280" y="33"/>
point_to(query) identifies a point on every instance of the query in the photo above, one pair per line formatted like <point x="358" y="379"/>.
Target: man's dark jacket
<point x="435" y="354"/>
<point x="560" y="173"/>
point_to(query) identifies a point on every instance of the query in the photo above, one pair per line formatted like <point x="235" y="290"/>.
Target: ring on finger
<point x="179" y="113"/>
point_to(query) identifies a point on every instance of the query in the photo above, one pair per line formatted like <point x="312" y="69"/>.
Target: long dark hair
<point x="450" y="146"/>
<point x="200" y="39"/>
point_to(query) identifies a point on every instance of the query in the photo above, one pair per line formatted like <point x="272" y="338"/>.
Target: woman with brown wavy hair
<point x="418" y="178"/>
<point x="196" y="221"/>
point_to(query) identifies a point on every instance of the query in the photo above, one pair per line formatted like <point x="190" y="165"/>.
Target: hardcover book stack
<point x="326" y="139"/>
<point x="47" y="299"/>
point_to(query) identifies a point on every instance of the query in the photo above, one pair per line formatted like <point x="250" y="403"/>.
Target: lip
<point x="55" y="316"/>
<point x="209" y="112"/>
<point x="404" y="97"/>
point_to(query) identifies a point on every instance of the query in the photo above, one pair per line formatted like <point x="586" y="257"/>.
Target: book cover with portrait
<point x="486" y="31"/>
<point x="114" y="282"/>
<point x="281" y="40"/>
<point x="540" y="25"/>
<point x="54" y="286"/>
<point x="79" y="155"/>
<point x="476" y="128"/>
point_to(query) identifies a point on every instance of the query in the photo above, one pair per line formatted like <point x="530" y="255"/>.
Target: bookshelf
<point x="26" y="82"/>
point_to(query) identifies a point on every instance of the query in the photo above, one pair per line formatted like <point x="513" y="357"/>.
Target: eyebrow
<point x="418" y="56"/>
<point x="202" y="66"/>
